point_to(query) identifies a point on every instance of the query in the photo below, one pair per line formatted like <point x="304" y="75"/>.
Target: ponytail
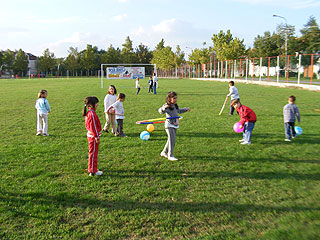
<point x="89" y="102"/>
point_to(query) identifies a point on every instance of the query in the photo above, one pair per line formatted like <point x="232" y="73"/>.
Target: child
<point x="43" y="109"/>
<point x="233" y="92"/>
<point x="247" y="120"/>
<point x="109" y="99"/>
<point x="137" y="85"/>
<point x="118" y="110"/>
<point x="155" y="82"/>
<point x="171" y="125"/>
<point x="150" y="84"/>
<point x="290" y="111"/>
<point x="93" y="126"/>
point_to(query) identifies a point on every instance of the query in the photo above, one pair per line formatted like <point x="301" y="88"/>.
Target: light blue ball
<point x="145" y="135"/>
<point x="298" y="130"/>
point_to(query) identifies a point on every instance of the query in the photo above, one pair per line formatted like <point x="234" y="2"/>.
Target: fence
<point x="300" y="69"/>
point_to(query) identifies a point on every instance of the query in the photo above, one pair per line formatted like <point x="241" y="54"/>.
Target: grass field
<point x="218" y="189"/>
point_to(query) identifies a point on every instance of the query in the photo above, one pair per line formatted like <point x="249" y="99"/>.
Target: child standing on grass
<point x="233" y="92"/>
<point x="118" y="110"/>
<point x="150" y="84"/>
<point x="43" y="109"/>
<point x="171" y="109"/>
<point x="290" y="112"/>
<point x="93" y="126"/>
<point x="247" y="120"/>
<point x="155" y="83"/>
<point x="137" y="85"/>
<point x="110" y="99"/>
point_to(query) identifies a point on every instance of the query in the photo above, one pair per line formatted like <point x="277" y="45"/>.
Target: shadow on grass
<point x="17" y="200"/>
<point x="212" y="175"/>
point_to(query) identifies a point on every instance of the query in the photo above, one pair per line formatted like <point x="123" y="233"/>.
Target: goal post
<point x="125" y="64"/>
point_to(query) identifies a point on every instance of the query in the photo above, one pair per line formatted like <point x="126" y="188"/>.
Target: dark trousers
<point x="232" y="108"/>
<point x="138" y="90"/>
<point x="120" y="127"/>
<point x="289" y="130"/>
<point x="155" y="88"/>
<point x="151" y="88"/>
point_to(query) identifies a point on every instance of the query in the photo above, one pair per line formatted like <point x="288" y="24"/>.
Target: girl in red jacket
<point x="94" y="132"/>
<point x="247" y="120"/>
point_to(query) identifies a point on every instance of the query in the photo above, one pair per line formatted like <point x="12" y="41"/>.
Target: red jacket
<point x="93" y="124"/>
<point x="246" y="114"/>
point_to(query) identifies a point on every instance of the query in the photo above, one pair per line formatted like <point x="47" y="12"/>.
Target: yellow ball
<point x="150" y="128"/>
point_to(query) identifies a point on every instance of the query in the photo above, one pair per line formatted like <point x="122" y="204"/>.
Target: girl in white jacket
<point x="110" y="99"/>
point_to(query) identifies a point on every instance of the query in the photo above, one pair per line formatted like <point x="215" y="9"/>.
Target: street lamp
<point x="286" y="40"/>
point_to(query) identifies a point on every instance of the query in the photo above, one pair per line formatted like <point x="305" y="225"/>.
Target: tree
<point x="163" y="57"/>
<point x="310" y="40"/>
<point x="127" y="51"/>
<point x="160" y="45"/>
<point x="20" y="63"/>
<point x="87" y="60"/>
<point x="179" y="57"/>
<point x="8" y="59"/>
<point x="72" y="60"/>
<point x="112" y="55"/>
<point x="199" y="56"/>
<point x="46" y="62"/>
<point x="267" y="45"/>
<point x="143" y="55"/>
<point x="227" y="47"/>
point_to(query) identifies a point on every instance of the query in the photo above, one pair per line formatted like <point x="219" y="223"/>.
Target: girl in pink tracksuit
<point x="93" y="126"/>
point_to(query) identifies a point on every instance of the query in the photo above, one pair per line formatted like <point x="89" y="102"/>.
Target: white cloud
<point x="165" y="26"/>
<point x="297" y="4"/>
<point x="120" y="18"/>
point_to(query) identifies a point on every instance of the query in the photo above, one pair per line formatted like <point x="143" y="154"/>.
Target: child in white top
<point x="43" y="109"/>
<point x="233" y="92"/>
<point x="155" y="83"/>
<point x="137" y="85"/>
<point x="118" y="110"/>
<point x="110" y="99"/>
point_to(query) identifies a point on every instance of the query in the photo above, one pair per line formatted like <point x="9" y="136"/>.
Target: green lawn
<point x="218" y="189"/>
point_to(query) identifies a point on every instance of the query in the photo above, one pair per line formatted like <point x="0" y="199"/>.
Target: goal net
<point x="126" y="71"/>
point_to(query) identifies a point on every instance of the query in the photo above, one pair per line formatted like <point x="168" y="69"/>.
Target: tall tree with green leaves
<point x="179" y="57"/>
<point x="143" y="54"/>
<point x="72" y="60"/>
<point x="227" y="47"/>
<point x="267" y="45"/>
<point x="8" y="60"/>
<point x="20" y="63"/>
<point x="163" y="56"/>
<point x="199" y="56"/>
<point x="112" y="55"/>
<point x="87" y="59"/>
<point x="310" y="39"/>
<point x="127" y="54"/>
<point x="47" y="62"/>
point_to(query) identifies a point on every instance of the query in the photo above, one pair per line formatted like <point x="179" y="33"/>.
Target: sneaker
<point x="99" y="173"/>
<point x="287" y="140"/>
<point x="91" y="174"/>
<point x="293" y="136"/>
<point x="123" y="135"/>
<point x="172" y="159"/>
<point x="38" y="133"/>
<point x="45" y="134"/>
<point x="245" y="143"/>
<point x="163" y="154"/>
<point x="242" y="140"/>
<point x="105" y="130"/>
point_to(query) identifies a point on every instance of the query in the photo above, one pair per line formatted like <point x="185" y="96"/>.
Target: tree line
<point x="224" y="47"/>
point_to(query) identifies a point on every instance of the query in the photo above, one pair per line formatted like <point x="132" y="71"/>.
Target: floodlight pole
<point x="286" y="41"/>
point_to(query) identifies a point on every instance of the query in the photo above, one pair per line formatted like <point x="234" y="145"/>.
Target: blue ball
<point x="145" y="135"/>
<point x="298" y="130"/>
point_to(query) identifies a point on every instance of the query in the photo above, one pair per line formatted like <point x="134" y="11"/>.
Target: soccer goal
<point x="124" y="70"/>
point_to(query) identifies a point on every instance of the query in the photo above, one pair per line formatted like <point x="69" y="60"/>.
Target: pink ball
<point x="236" y="127"/>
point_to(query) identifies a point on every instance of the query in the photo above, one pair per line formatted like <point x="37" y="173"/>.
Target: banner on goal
<point x="125" y="72"/>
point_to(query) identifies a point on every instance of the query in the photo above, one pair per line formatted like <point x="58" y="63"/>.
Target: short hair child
<point x="247" y="120"/>
<point x="43" y="109"/>
<point x="233" y="92"/>
<point x="93" y="126"/>
<point x="290" y="112"/>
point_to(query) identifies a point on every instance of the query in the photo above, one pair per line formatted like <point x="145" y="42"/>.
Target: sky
<point x="34" y="25"/>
